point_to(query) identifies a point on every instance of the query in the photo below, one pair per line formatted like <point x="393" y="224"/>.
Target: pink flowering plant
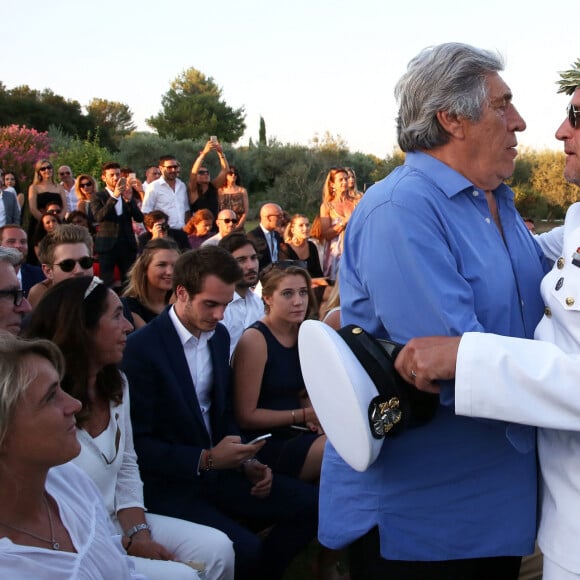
<point x="21" y="148"/>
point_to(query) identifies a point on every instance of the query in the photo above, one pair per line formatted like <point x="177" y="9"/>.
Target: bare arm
<point x="329" y="231"/>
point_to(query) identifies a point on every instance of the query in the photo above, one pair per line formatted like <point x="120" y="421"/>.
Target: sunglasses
<point x="85" y="263"/>
<point x="171" y="166"/>
<point x="572" y="112"/>
<point x="64" y="172"/>
<point x="86" y="184"/>
<point x="16" y="295"/>
<point x="229" y="221"/>
<point x="203" y="172"/>
<point x="45" y="168"/>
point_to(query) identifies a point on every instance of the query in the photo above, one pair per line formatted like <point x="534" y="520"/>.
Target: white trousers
<point x="188" y="542"/>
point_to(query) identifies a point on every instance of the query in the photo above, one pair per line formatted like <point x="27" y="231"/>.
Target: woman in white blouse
<point x="85" y="319"/>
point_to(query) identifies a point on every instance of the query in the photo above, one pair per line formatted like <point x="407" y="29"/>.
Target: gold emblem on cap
<point x="570" y="301"/>
<point x="547" y="312"/>
<point x="560" y="263"/>
<point x="357" y="330"/>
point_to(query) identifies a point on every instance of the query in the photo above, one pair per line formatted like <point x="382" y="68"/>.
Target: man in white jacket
<point x="530" y="382"/>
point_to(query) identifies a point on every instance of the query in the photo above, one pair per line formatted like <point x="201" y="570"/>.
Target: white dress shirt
<point x="175" y="203"/>
<point x="198" y="358"/>
<point x="241" y="313"/>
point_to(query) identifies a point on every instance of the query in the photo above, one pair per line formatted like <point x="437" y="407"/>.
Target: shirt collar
<point x="184" y="335"/>
<point x="445" y="178"/>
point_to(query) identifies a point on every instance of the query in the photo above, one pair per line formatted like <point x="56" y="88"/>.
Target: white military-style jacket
<point x="538" y="383"/>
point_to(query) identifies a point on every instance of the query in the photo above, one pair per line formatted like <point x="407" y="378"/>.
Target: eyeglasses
<point x="16" y="295"/>
<point x="86" y="184"/>
<point x="85" y="263"/>
<point x="203" y="172"/>
<point x="64" y="172"/>
<point x="572" y="112"/>
<point x="229" y="220"/>
<point x="45" y="168"/>
<point x="171" y="166"/>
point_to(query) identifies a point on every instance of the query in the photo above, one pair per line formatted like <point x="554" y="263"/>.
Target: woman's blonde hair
<point x="16" y="372"/>
<point x="36" y="179"/>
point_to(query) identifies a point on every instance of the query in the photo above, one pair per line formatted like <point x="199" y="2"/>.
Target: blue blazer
<point x="11" y="208"/>
<point x="168" y="428"/>
<point x="31" y="275"/>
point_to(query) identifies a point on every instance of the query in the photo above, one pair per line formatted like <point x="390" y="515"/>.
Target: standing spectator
<point x="43" y="191"/>
<point x="11" y="183"/>
<point x="226" y="222"/>
<point x="85" y="186"/>
<point x="246" y="307"/>
<point x="353" y="191"/>
<point x="152" y="172"/>
<point x="198" y="228"/>
<point x="156" y="224"/>
<point x="266" y="237"/>
<point x="9" y="207"/>
<point x="168" y="193"/>
<point x="114" y="210"/>
<point x="233" y="196"/>
<point x="67" y="182"/>
<point x="438" y="247"/>
<point x="203" y="192"/>
<point x="13" y="236"/>
<point x="335" y="211"/>
<point x="13" y="303"/>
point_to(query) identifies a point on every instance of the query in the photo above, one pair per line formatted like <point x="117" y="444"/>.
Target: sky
<point x="307" y="66"/>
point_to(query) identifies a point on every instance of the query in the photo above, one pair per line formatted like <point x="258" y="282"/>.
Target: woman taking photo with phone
<point x="85" y="319"/>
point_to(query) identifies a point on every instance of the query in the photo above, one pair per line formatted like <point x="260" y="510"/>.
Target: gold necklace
<point x="52" y="540"/>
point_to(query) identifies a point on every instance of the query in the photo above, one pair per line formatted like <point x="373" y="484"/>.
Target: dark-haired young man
<point x="192" y="460"/>
<point x="168" y="193"/>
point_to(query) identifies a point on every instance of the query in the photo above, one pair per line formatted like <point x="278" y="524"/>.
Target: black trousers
<point x="366" y="562"/>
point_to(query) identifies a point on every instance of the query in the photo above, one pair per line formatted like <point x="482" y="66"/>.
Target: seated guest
<point x="80" y="218"/>
<point x="150" y="282"/>
<point x="269" y="392"/>
<point x="52" y="520"/>
<point x="14" y="236"/>
<point x="13" y="304"/>
<point x="157" y="226"/>
<point x="47" y="224"/>
<point x="66" y="253"/>
<point x="85" y="319"/>
<point x="198" y="228"/>
<point x="246" y="307"/>
<point x="192" y="459"/>
<point x="226" y="222"/>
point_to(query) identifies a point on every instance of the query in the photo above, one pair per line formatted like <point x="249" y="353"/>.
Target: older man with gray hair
<point x="438" y="248"/>
<point x="13" y="304"/>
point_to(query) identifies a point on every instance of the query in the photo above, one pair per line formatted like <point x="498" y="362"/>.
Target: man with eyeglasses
<point x="226" y="221"/>
<point x="13" y="304"/>
<point x="202" y="189"/>
<point x="67" y="181"/>
<point x="266" y="237"/>
<point x="168" y="193"/>
<point x="66" y="253"/>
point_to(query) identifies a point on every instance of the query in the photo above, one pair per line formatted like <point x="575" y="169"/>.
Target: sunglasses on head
<point x="85" y="263"/>
<point x="572" y="113"/>
<point x="229" y="221"/>
<point x="16" y="295"/>
<point x="54" y="212"/>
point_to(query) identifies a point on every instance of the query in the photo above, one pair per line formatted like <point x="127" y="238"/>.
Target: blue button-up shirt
<point x="423" y="256"/>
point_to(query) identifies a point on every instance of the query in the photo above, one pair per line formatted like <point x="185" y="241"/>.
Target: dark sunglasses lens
<point x="45" y="168"/>
<point x="86" y="262"/>
<point x="67" y="265"/>
<point x="86" y="184"/>
<point x="229" y="221"/>
<point x="572" y="116"/>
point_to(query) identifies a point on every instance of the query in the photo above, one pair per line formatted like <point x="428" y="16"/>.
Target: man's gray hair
<point x="11" y="255"/>
<point x="449" y="77"/>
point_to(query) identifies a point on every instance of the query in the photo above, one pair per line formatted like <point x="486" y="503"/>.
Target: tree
<point x="193" y="108"/>
<point x="262" y="135"/>
<point x="114" y="120"/>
